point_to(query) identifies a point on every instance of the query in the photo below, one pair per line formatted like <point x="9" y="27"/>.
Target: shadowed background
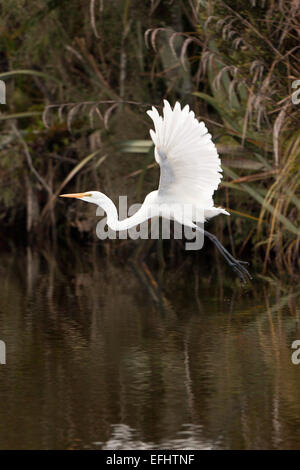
<point x="80" y="77"/>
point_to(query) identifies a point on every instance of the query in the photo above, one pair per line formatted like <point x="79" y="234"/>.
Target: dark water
<point x="98" y="357"/>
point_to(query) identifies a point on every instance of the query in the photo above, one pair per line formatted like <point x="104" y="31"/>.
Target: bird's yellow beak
<point x="76" y="195"/>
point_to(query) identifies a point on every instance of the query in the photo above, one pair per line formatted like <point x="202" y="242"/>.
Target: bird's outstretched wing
<point x="190" y="168"/>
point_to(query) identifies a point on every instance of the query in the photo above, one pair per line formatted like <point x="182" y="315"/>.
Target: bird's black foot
<point x="246" y="263"/>
<point x="238" y="267"/>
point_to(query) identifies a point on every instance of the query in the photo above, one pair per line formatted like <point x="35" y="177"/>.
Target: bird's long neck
<point x="113" y="220"/>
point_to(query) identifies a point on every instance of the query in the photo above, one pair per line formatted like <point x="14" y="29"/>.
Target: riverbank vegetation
<point x="79" y="77"/>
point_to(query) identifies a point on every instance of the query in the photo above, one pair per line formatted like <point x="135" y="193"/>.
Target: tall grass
<point x="247" y="58"/>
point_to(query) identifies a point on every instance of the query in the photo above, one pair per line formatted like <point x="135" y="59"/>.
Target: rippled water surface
<point x="100" y="356"/>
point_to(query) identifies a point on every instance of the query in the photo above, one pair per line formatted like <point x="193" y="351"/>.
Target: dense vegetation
<point x="80" y="75"/>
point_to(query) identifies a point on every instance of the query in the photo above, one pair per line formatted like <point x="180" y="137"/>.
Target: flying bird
<point x="190" y="172"/>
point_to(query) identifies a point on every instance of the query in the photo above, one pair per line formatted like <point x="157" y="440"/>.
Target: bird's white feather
<point x="190" y="165"/>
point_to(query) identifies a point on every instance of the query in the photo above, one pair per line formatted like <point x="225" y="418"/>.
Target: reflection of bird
<point x="190" y="172"/>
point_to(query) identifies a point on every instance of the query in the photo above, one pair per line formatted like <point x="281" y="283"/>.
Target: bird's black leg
<point x="216" y="241"/>
<point x="236" y="265"/>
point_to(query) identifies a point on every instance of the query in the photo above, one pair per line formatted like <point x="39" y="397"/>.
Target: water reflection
<point x="123" y="437"/>
<point x="101" y="355"/>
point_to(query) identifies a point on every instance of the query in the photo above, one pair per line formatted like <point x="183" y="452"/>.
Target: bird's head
<point x="94" y="197"/>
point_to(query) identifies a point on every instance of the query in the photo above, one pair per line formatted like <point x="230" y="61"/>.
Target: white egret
<point x="190" y="172"/>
